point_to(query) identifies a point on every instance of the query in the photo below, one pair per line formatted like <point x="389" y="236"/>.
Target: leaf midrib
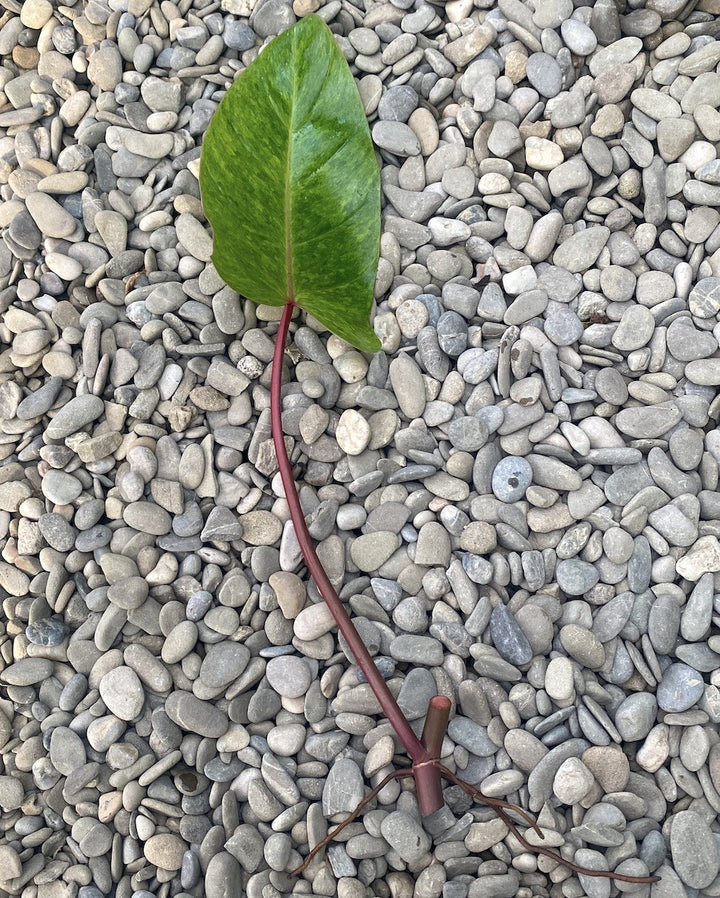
<point x="288" y="194"/>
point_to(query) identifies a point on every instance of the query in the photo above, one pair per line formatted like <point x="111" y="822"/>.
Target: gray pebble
<point x="223" y="876"/>
<point x="576" y="577"/>
<point x="508" y="638"/>
<point x="49" y="631"/>
<point x="344" y="788"/>
<point x="635" y="716"/>
<point x="680" y="688"/>
<point x="471" y="736"/>
<point x="694" y="850"/>
<point x="405" y="834"/>
<point x="544" y="74"/>
<point x="510" y="478"/>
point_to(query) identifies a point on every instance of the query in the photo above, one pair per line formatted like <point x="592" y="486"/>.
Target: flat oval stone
<point x="576" y="577"/>
<point x="636" y="327"/>
<point x="179" y="642"/>
<point x="704" y="299"/>
<point x="39" y="401"/>
<point x="52" y="219"/>
<point x="223" y="877"/>
<point x="572" y="781"/>
<point x="578" y="37"/>
<point x="583" y="646"/>
<point x="74" y="416"/>
<point x="417" y="650"/>
<point x="655" y="104"/>
<point x="471" y="736"/>
<point x="223" y="663"/>
<point x="563" y="327"/>
<point x="705" y="372"/>
<point x="27" y="671"/>
<point x="352" y="432"/>
<point x="611" y="618"/>
<point x="581" y="250"/>
<point x="688" y="344"/>
<point x="261" y="528"/>
<point x="61" y="488"/>
<point x="67" y="751"/>
<point x="48" y="631"/>
<point x="371" y="550"/>
<point x="313" y="622"/>
<point x="649" y="422"/>
<point x="609" y="766"/>
<point x="697" y="613"/>
<point x="9" y="859"/>
<point x="396" y="137"/>
<point x="694" y="849"/>
<point x="405" y="834"/>
<point x="122" y="692"/>
<point x="553" y="473"/>
<point x="165" y="850"/>
<point x="467" y="433"/>
<point x="544" y="74"/>
<point x="344" y="788"/>
<point x="559" y="682"/>
<point x="289" y="676"/>
<point x="511" y="477"/>
<point x="195" y="715"/>
<point x="129" y="593"/>
<point x="146" y="517"/>
<point x="193" y="236"/>
<point x="12" y="793"/>
<point x="635" y="716"/>
<point x="680" y="688"/>
<point x="149" y="668"/>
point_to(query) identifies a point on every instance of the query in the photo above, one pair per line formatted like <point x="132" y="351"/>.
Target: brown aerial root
<point x="499" y="806"/>
<point x="394" y="775"/>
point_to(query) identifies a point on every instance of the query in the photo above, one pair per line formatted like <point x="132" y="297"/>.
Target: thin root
<point x="394" y="775"/>
<point x="499" y="806"/>
<point x="554" y="856"/>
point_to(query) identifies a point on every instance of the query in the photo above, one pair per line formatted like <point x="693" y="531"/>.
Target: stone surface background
<point x="517" y="498"/>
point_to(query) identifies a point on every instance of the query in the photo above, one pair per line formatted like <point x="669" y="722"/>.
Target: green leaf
<point x="291" y="186"/>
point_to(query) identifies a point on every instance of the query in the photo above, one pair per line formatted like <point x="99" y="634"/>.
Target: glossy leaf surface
<point x="291" y="186"/>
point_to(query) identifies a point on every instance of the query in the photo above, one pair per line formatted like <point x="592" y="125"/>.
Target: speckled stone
<point x="511" y="478"/>
<point x="49" y="631"/>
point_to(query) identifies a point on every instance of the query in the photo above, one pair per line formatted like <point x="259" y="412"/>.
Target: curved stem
<point x="426" y="769"/>
<point x="413" y="745"/>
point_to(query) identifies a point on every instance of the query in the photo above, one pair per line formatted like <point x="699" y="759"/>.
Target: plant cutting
<point x="290" y="184"/>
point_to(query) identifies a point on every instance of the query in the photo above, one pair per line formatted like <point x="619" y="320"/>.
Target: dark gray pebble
<point x="452" y="334"/>
<point x="48" y="631"/>
<point x="509" y="639"/>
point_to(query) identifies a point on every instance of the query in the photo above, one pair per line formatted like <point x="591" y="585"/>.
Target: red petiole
<point x="426" y="769"/>
<point x="427" y="777"/>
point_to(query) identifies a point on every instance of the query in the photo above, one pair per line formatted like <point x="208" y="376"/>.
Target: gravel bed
<point x="517" y="498"/>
